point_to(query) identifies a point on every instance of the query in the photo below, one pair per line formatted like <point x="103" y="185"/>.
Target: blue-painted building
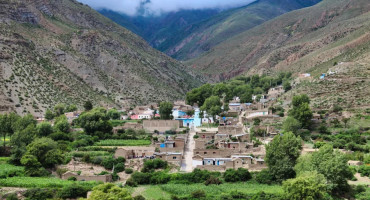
<point x="191" y="122"/>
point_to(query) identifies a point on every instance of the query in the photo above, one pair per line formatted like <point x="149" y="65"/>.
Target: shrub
<point x="364" y="170"/>
<point x="151" y="165"/>
<point x="213" y="180"/>
<point x="264" y="177"/>
<point x="39" y="194"/>
<point x="130" y="182"/>
<point x="120" y="167"/>
<point x="139" y="197"/>
<point x="198" y="194"/>
<point x="72" y="178"/>
<point x="12" y="197"/>
<point x="115" y="176"/>
<point x="129" y="171"/>
<point x="141" y="178"/>
<point x="240" y="174"/>
<point x="108" y="163"/>
<point x="73" y="191"/>
<point x="159" y="178"/>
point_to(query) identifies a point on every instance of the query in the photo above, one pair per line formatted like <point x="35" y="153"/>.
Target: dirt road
<point x="187" y="162"/>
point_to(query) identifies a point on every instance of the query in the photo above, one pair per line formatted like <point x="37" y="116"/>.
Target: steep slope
<point x="307" y="40"/>
<point x="62" y="51"/>
<point x="188" y="33"/>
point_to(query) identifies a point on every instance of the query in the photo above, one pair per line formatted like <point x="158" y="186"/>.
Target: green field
<point x="165" y="191"/>
<point x="123" y="143"/>
<point x="10" y="170"/>
<point x="37" y="182"/>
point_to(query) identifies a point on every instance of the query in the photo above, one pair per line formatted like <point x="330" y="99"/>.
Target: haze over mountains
<point x="187" y="33"/>
<point x="61" y="51"/>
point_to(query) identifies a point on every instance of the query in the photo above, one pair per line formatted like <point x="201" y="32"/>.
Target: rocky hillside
<point x="307" y="40"/>
<point x="188" y="33"/>
<point x="55" y="51"/>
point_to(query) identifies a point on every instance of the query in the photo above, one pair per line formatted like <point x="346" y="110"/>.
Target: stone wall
<point x="230" y="130"/>
<point x="161" y="125"/>
<point x="104" y="178"/>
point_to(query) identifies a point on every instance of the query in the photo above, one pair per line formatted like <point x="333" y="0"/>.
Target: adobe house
<point x="171" y="157"/>
<point x="200" y="143"/>
<point x="208" y="136"/>
<point x="354" y="163"/>
<point x="161" y="125"/>
<point x="172" y="145"/>
<point x="134" y="152"/>
<point x="231" y="130"/>
<point x="104" y="178"/>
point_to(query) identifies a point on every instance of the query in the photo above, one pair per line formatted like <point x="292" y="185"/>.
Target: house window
<point x="214" y="152"/>
<point x="174" y="158"/>
<point x="205" y="152"/>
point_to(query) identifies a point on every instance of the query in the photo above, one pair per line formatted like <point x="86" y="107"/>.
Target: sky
<point x="130" y="7"/>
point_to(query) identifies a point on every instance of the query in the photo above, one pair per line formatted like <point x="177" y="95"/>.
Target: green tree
<point x="44" y="129"/>
<point x="46" y="152"/>
<point x="332" y="164"/>
<point x="212" y="106"/>
<point x="23" y="122"/>
<point x="95" y="122"/>
<point x="7" y="122"/>
<point x="88" y="105"/>
<point x="199" y="95"/>
<point x="165" y="110"/>
<point x="59" y="109"/>
<point x="307" y="186"/>
<point x="62" y="125"/>
<point x="114" y="114"/>
<point x="281" y="155"/>
<point x="291" y="125"/>
<point x="287" y="86"/>
<point x="20" y="140"/>
<point x="49" y="115"/>
<point x="32" y="166"/>
<point x="71" y="108"/>
<point x="220" y="89"/>
<point x="301" y="110"/>
<point x="109" y="191"/>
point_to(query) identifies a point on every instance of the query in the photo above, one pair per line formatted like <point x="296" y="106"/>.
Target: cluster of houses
<point x="230" y="147"/>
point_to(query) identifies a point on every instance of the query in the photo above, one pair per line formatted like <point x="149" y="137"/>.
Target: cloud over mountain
<point x="132" y="7"/>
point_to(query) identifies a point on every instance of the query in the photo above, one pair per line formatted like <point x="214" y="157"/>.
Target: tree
<point x="44" y="129"/>
<point x="19" y="141"/>
<point x="332" y="164"/>
<point x="46" y="152"/>
<point x="109" y="191"/>
<point x="199" y="95"/>
<point x="165" y="110"/>
<point x="114" y="114"/>
<point x="212" y="106"/>
<point x="71" y="108"/>
<point x="49" y="115"/>
<point x="62" y="125"/>
<point x="345" y="121"/>
<point x="220" y="89"/>
<point x="6" y="125"/>
<point x="95" y="122"/>
<point x="287" y="86"/>
<point x="59" y="109"/>
<point x="301" y="110"/>
<point x="307" y="186"/>
<point x="32" y="166"/>
<point x="291" y="125"/>
<point x="88" y="105"/>
<point x="23" y="122"/>
<point x="282" y="154"/>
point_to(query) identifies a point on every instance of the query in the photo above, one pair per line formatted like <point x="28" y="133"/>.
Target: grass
<point x="91" y="153"/>
<point x="10" y="170"/>
<point x="44" y="182"/>
<point x="165" y="191"/>
<point x="123" y="143"/>
<point x="4" y="159"/>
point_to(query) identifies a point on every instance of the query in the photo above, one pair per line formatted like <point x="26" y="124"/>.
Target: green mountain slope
<point x="188" y="33"/>
<point x="62" y="51"/>
<point x="306" y="40"/>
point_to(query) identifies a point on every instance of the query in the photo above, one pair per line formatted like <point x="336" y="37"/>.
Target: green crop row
<point x="123" y="143"/>
<point x="7" y="170"/>
<point x="38" y="182"/>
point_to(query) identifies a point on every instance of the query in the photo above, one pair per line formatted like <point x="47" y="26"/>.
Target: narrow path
<point x="187" y="162"/>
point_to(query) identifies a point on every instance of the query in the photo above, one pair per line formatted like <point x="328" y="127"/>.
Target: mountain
<point x="61" y="51"/>
<point x="306" y="40"/>
<point x="188" y="33"/>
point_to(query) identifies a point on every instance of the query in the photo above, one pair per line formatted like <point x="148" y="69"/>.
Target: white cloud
<point x="130" y="7"/>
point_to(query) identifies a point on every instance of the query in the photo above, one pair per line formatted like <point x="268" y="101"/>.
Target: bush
<point x="115" y="177"/>
<point x="129" y="171"/>
<point x="130" y="182"/>
<point x="73" y="191"/>
<point x="39" y="194"/>
<point x="198" y="194"/>
<point x="139" y="197"/>
<point x="141" y="178"/>
<point x="120" y="167"/>
<point x="108" y="163"/>
<point x="240" y="174"/>
<point x="151" y="165"/>
<point x="264" y="177"/>
<point x="72" y="178"/>
<point x="160" y="178"/>
<point x="364" y="170"/>
<point x="12" y="197"/>
<point x="213" y="180"/>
